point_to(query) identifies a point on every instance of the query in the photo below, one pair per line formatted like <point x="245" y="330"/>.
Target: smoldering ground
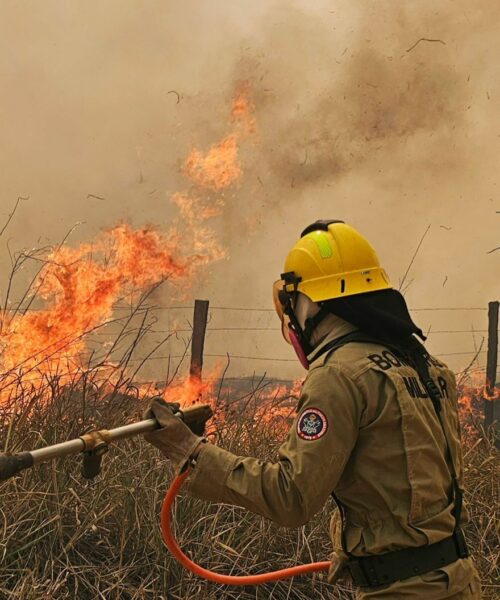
<point x="103" y="103"/>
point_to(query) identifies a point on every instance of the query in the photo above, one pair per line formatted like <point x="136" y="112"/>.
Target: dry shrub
<point x="65" y="537"/>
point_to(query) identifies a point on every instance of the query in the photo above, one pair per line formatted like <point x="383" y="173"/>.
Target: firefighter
<point x="376" y="427"/>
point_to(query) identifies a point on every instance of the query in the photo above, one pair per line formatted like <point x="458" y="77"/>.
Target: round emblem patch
<point x="312" y="424"/>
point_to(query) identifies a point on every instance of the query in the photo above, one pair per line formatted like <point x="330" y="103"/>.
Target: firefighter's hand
<point x="175" y="440"/>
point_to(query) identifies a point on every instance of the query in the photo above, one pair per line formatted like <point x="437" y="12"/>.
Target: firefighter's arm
<point x="311" y="460"/>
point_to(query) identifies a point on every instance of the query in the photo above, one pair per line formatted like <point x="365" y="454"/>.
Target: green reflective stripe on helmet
<point x="322" y="242"/>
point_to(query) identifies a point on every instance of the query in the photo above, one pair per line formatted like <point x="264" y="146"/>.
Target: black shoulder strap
<point x="416" y="353"/>
<point x="329" y="349"/>
<point x="422" y="368"/>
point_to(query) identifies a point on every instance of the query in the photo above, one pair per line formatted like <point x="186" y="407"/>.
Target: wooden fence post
<point x="491" y="405"/>
<point x="198" y="340"/>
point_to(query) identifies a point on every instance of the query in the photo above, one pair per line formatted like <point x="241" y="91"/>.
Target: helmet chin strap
<point x="301" y="338"/>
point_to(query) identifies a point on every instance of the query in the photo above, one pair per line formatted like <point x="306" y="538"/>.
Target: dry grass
<point x="65" y="537"/>
<point x="482" y="487"/>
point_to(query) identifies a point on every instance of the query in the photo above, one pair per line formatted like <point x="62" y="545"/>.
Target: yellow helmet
<point x="333" y="260"/>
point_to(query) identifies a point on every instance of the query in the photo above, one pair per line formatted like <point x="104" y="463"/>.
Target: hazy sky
<point x="352" y="123"/>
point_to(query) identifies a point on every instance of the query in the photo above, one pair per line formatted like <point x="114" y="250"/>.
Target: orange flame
<point x="220" y="166"/>
<point x="204" y="241"/>
<point x="243" y="110"/>
<point x="270" y="406"/>
<point x="80" y="286"/>
<point x="192" y="389"/>
<point x="472" y="395"/>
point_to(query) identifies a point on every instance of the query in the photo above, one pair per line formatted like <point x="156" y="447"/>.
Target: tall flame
<point x="220" y="167"/>
<point x="80" y="286"/>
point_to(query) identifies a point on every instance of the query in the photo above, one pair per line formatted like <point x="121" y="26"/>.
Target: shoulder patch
<point x="312" y="424"/>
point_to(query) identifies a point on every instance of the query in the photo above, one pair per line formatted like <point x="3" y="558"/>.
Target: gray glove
<point x="175" y="440"/>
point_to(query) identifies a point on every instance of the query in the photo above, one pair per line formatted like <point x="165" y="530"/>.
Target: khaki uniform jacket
<point x="380" y="448"/>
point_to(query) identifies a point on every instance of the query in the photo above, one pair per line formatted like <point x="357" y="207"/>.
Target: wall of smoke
<point x="355" y="120"/>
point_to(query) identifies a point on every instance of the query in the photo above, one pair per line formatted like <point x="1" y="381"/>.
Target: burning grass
<point x="64" y="537"/>
<point x="78" y="287"/>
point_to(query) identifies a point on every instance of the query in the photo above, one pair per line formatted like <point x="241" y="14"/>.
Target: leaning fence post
<point x="200" y="317"/>
<point x="491" y="404"/>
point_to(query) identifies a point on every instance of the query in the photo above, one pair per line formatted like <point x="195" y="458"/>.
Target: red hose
<point x="173" y="546"/>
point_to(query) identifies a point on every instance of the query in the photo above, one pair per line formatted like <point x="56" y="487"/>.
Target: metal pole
<point x="78" y="445"/>
<point x="195" y="418"/>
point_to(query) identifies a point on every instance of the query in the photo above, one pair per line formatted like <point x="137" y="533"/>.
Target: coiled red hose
<point x="175" y="549"/>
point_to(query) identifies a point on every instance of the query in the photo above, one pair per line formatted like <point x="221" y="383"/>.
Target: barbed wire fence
<point x="479" y="360"/>
<point x="488" y="367"/>
<point x="231" y="328"/>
